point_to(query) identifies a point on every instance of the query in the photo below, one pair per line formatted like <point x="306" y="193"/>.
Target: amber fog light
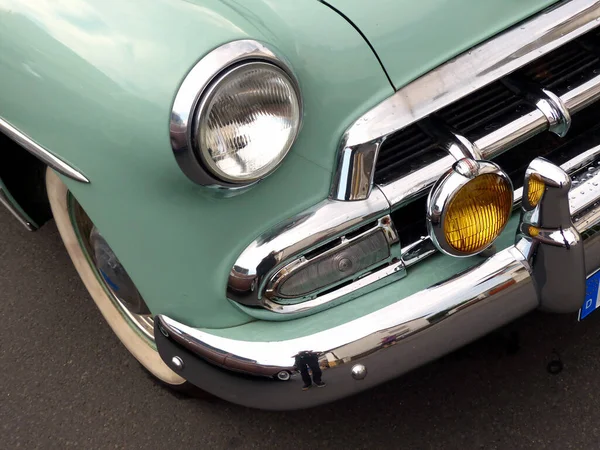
<point x="469" y="207"/>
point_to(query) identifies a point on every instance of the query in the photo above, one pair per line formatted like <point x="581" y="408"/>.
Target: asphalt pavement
<point x="67" y="382"/>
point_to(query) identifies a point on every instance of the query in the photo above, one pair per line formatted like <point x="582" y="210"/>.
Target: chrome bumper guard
<point x="546" y="268"/>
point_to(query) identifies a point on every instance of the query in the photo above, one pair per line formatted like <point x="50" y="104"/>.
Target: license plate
<point x="592" y="288"/>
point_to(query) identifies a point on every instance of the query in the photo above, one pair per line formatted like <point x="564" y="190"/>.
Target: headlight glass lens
<point x="248" y="122"/>
<point x="478" y="213"/>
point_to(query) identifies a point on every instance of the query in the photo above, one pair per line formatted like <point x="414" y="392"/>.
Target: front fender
<point x="93" y="82"/>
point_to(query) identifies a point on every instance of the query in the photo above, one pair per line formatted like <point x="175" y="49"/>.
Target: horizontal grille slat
<point x="572" y="59"/>
<point x="400" y="168"/>
<point x="542" y="69"/>
<point x="585" y="134"/>
<point x="499" y="105"/>
<point x="408" y="143"/>
<point x="488" y="116"/>
<point x="492" y="106"/>
<point x="490" y="93"/>
<point x="561" y="84"/>
<point x="399" y="150"/>
<point x="469" y="114"/>
<point x="565" y="69"/>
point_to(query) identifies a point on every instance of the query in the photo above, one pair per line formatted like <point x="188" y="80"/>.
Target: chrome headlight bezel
<point x="190" y="99"/>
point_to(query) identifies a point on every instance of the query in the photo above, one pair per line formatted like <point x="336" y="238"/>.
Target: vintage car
<point x="266" y="197"/>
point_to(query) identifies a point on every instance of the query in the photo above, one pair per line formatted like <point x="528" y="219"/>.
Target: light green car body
<point x="93" y="81"/>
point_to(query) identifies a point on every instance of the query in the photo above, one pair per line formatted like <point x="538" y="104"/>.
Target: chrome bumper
<point x="417" y="329"/>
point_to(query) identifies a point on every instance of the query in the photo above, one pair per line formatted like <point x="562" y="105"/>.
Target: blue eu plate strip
<point x="592" y="286"/>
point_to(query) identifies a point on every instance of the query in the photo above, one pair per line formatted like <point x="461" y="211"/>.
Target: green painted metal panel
<point x="93" y="81"/>
<point x="413" y="37"/>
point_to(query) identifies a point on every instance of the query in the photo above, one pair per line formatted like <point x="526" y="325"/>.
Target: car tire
<point x="139" y="346"/>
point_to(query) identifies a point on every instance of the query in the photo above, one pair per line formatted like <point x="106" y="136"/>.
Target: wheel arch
<point x="22" y="175"/>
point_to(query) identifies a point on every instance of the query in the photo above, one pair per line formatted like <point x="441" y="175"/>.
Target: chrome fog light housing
<point x="235" y="116"/>
<point x="469" y="207"/>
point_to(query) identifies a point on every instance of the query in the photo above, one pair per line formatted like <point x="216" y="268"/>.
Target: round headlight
<point x="469" y="207"/>
<point x="247" y="121"/>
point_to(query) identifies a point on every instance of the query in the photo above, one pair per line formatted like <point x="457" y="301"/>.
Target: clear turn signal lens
<point x="323" y="271"/>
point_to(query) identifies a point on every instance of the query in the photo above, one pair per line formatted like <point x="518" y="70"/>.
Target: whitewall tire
<point x="140" y="346"/>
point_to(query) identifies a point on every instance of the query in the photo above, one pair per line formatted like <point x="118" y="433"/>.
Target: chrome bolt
<point x="359" y="372"/>
<point x="344" y="265"/>
<point x="466" y="167"/>
<point x="162" y="329"/>
<point x="177" y="363"/>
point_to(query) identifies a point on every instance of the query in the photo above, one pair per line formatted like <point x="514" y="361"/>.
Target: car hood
<point x="412" y="37"/>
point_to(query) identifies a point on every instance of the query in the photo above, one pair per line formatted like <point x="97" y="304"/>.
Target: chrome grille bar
<point x="554" y="110"/>
<point x="417" y="183"/>
<point x="452" y="81"/>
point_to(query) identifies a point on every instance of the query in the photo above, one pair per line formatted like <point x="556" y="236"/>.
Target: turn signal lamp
<point x="469" y="207"/>
<point x="332" y="267"/>
<point x="535" y="190"/>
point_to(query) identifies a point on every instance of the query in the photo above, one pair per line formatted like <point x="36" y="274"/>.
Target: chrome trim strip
<point x="414" y="185"/>
<point x="188" y="98"/>
<point x="582" y="96"/>
<point x="420" y="328"/>
<point x="582" y="160"/>
<point x="455" y="79"/>
<point x="512" y="134"/>
<point x="41" y="153"/>
<point x="14" y="209"/>
<point x="549" y="104"/>
<point x="381" y="345"/>
<point x="301" y="233"/>
<point x="451" y="141"/>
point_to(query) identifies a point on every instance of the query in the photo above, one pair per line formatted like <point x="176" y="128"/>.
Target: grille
<point x="491" y="107"/>
<point x="484" y="114"/>
<point x="583" y="135"/>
